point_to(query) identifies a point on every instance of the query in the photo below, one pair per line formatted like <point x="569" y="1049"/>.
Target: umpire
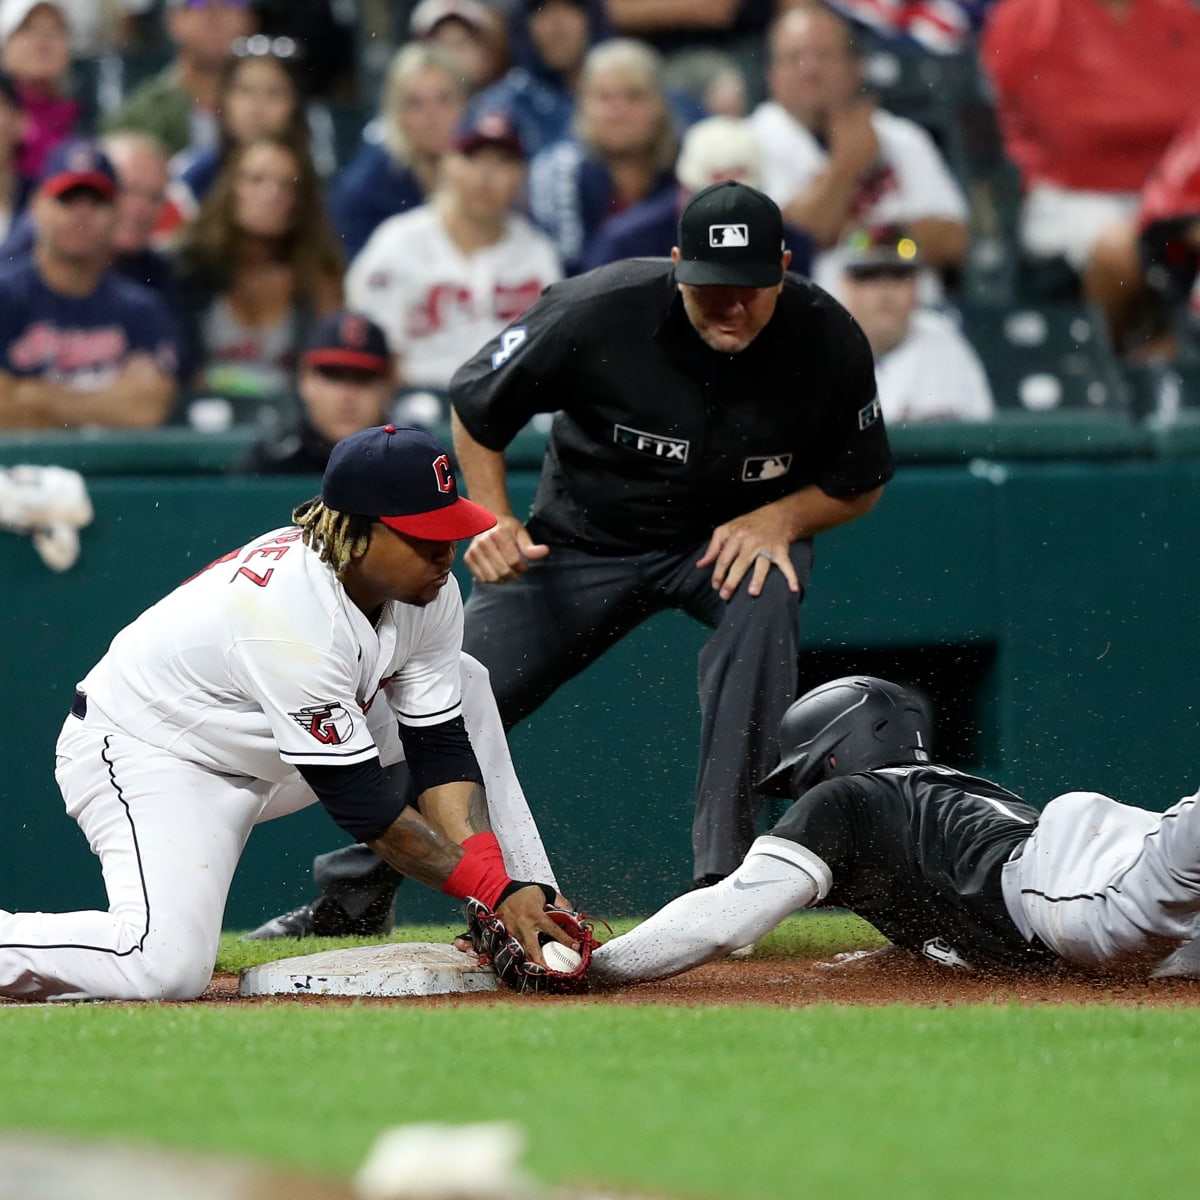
<point x="712" y="414"/>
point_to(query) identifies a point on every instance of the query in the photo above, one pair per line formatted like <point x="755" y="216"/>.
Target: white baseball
<point x="559" y="957"/>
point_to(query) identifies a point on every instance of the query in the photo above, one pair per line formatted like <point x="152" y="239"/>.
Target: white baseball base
<point x="399" y="969"/>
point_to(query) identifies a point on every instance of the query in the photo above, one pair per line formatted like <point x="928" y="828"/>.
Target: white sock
<point x="775" y="878"/>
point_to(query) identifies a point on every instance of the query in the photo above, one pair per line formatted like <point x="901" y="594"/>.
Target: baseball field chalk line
<point x="398" y="969"/>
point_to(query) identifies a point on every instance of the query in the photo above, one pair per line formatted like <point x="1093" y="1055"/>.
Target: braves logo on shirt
<point x="330" y="724"/>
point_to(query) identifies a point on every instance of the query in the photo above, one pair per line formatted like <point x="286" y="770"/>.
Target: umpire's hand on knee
<point x="748" y="545"/>
<point x="503" y="552"/>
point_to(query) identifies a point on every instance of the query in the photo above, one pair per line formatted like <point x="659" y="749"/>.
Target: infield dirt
<point x="887" y="976"/>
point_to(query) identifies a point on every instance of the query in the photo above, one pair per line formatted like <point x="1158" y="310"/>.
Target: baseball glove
<point x="497" y="948"/>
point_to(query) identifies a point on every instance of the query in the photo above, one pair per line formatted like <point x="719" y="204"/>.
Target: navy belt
<point x="79" y="706"/>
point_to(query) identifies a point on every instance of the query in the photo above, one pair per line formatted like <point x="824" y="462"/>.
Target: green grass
<point x="740" y="1104"/>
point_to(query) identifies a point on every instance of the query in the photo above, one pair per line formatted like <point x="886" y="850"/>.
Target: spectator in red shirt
<point x="1152" y="259"/>
<point x="1089" y="93"/>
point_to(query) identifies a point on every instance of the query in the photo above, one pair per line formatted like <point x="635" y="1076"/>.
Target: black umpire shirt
<point x="917" y="851"/>
<point x="657" y="438"/>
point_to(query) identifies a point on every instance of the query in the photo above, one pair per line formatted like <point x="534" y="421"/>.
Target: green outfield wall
<point x="1047" y="607"/>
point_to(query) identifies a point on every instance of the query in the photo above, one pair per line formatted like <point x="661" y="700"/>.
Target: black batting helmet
<point x="863" y="721"/>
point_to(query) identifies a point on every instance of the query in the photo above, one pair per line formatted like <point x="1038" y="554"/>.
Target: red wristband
<point x="487" y="846"/>
<point x="479" y="873"/>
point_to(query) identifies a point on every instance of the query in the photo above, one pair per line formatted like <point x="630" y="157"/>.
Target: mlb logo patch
<point x="764" y="467"/>
<point x="869" y="415"/>
<point x="729" y="236"/>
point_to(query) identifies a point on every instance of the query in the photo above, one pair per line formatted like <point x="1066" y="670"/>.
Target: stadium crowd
<point x="302" y="215"/>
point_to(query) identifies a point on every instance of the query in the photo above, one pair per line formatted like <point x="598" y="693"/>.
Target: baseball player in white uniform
<point x="289" y="671"/>
<point x="447" y="277"/>
<point x="949" y="865"/>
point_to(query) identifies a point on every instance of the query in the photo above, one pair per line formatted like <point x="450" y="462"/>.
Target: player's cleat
<point x="325" y="917"/>
<point x="706" y="881"/>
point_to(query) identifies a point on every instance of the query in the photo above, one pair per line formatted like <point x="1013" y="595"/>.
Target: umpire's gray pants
<point x="540" y="630"/>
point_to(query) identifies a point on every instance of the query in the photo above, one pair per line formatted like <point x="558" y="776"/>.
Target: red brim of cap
<point x="462" y="519"/>
<point x="97" y="181"/>
<point x="334" y="357"/>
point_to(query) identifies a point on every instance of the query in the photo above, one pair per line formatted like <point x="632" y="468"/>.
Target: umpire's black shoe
<point x="326" y="917"/>
<point x="706" y="881"/>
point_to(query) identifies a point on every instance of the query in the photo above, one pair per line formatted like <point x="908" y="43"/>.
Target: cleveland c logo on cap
<point x="728" y="235"/>
<point x="443" y="474"/>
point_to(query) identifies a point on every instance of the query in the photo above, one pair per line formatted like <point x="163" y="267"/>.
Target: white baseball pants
<point x="1106" y="885"/>
<point x="169" y="834"/>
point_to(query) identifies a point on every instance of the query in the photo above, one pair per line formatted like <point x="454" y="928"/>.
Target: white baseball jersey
<point x="438" y="305"/>
<point x="933" y="375"/>
<point x="261" y="663"/>
<point x="910" y="180"/>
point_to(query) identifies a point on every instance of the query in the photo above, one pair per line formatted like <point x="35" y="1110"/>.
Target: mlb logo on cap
<point x="728" y="235"/>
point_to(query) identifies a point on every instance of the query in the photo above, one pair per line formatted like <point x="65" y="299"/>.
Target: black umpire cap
<point x="730" y="234"/>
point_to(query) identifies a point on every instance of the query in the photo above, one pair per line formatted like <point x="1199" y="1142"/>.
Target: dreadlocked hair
<point x="337" y="537"/>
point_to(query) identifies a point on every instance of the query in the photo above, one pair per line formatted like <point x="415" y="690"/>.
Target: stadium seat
<point x="1164" y="393"/>
<point x="926" y="88"/>
<point x="1046" y="358"/>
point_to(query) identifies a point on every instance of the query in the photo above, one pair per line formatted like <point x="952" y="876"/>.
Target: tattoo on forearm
<point x="478" y="816"/>
<point x="412" y="845"/>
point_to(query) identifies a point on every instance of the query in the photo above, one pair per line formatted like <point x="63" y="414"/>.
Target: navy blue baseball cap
<point x="347" y="339"/>
<point x="730" y="234"/>
<point x="402" y="477"/>
<point x="78" y="163"/>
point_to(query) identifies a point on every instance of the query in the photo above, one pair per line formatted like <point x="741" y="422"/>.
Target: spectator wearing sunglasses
<point x="261" y="94"/>
<point x="925" y="369"/>
<point x="178" y="106"/>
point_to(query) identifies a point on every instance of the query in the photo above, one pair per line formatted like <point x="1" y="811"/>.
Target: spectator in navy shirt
<point x="548" y="40"/>
<point x="398" y="164"/>
<point x="623" y="150"/>
<point x="79" y="345"/>
<point x="141" y="166"/>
